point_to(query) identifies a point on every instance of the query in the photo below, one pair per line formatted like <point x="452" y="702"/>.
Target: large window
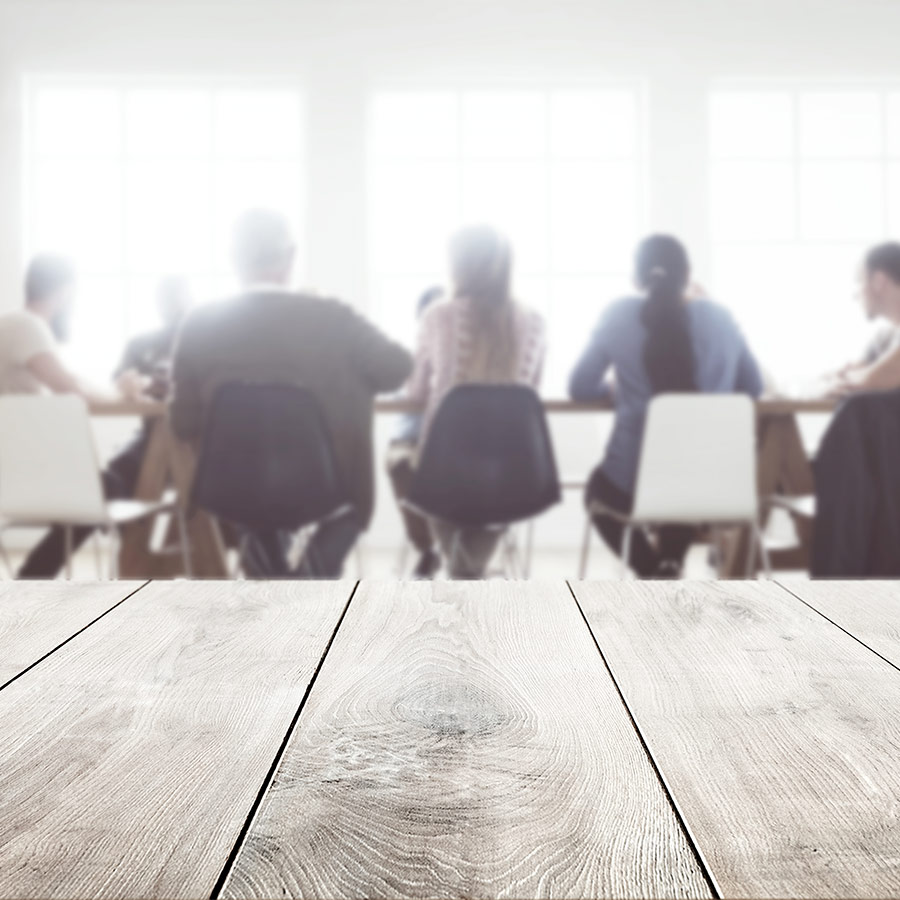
<point x="561" y="172"/>
<point x="137" y="180"/>
<point x="802" y="181"/>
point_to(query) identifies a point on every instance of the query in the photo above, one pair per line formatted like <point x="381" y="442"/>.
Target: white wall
<point x="339" y="50"/>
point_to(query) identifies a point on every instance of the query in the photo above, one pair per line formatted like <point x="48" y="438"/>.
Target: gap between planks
<point x="276" y="762"/>
<point x="837" y="625"/>
<point x="71" y="637"/>
<point x="682" y="821"/>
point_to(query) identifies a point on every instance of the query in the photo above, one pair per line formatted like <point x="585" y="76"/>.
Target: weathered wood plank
<point x="465" y="739"/>
<point x="869" y="610"/>
<point x="777" y="734"/>
<point x="37" y="616"/>
<point x="131" y="758"/>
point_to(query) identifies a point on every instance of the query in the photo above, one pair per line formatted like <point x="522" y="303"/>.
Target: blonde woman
<point x="478" y="335"/>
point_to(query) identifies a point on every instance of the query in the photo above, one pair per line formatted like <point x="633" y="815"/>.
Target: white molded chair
<point x="697" y="467"/>
<point x="50" y="474"/>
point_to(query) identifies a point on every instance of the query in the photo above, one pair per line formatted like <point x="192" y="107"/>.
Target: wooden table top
<point x="772" y="406"/>
<point x="255" y="739"/>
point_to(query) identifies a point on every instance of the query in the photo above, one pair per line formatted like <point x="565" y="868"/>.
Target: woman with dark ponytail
<point x="663" y="341"/>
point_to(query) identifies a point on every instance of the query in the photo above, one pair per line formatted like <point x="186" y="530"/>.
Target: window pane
<point x="751" y="125"/>
<point x="257" y="123"/>
<point x="752" y="200"/>
<point x="168" y="224"/>
<point x="77" y="122"/>
<point x="841" y="200"/>
<point x="892" y="125"/>
<point x="98" y="326"/>
<point x="840" y="125"/>
<point x="168" y="123"/>
<point x="239" y="186"/>
<point x="512" y="197"/>
<point x="782" y="295"/>
<point x="893" y="198"/>
<point x="415" y="207"/>
<point x="504" y="126"/>
<point x="395" y="301"/>
<point x="415" y="125"/>
<point x="594" y="219"/>
<point x="583" y="298"/>
<point x="78" y="211"/>
<point x="600" y="124"/>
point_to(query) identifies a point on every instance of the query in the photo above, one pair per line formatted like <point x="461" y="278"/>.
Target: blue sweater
<point x="724" y="364"/>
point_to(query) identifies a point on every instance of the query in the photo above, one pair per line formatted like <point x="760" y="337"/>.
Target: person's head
<point x="481" y="270"/>
<point x="50" y="291"/>
<point x="663" y="272"/>
<point x="430" y="297"/>
<point x="880" y="282"/>
<point x="481" y="266"/>
<point x="173" y="299"/>
<point x="263" y="247"/>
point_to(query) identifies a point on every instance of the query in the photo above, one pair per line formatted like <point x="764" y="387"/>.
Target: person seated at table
<point x="401" y="462"/>
<point x="663" y="340"/>
<point x="30" y="363"/>
<point x="150" y="354"/>
<point x="148" y="359"/>
<point x="879" y="370"/>
<point x="271" y="333"/>
<point x="479" y="334"/>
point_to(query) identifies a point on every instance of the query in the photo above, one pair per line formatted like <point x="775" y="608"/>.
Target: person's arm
<point x="586" y="381"/>
<point x="882" y="375"/>
<point x="418" y="387"/>
<point x="186" y="405"/>
<point x="49" y="370"/>
<point x="384" y="364"/>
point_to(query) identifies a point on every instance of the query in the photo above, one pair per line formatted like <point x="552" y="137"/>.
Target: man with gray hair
<point x="269" y="333"/>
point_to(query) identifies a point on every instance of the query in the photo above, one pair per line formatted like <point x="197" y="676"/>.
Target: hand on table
<point x="133" y="386"/>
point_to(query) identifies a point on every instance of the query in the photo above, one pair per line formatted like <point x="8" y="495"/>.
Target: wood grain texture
<point x="131" y="758"/>
<point x="464" y="740"/>
<point x="777" y="734"/>
<point x="869" y="610"/>
<point x="37" y="616"/>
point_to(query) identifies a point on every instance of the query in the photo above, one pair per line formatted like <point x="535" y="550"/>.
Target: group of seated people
<point x="666" y="337"/>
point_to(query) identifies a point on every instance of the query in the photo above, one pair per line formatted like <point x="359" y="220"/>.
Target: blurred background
<point x="766" y="135"/>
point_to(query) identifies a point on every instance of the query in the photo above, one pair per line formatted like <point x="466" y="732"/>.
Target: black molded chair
<point x="488" y="461"/>
<point x="266" y="462"/>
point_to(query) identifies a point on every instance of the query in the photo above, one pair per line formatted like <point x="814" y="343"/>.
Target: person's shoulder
<point x="22" y="318"/>
<point x="711" y="311"/>
<point x="22" y="324"/>
<point x="621" y="312"/>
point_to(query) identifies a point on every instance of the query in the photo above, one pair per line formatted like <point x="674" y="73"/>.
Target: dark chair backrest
<point x="266" y="460"/>
<point x="488" y="458"/>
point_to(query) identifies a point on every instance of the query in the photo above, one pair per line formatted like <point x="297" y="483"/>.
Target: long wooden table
<point x="783" y="467"/>
<point x="253" y="739"/>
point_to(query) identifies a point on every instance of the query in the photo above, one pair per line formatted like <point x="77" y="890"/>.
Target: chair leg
<point x="454" y="552"/>
<point x="403" y="559"/>
<point x="185" y="541"/>
<point x="585" y="549"/>
<point x="763" y="552"/>
<point x="529" y="548"/>
<point x="98" y="556"/>
<point x="5" y="557"/>
<point x="626" y="550"/>
<point x="113" y="553"/>
<point x="510" y="568"/>
<point x="68" y="539"/>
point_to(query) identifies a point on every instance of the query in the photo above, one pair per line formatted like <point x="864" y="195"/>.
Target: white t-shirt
<point x="23" y="335"/>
